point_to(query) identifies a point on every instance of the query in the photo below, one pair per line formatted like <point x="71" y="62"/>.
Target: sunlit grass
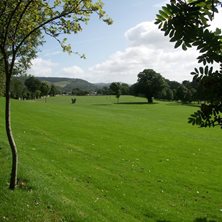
<point x="97" y="160"/>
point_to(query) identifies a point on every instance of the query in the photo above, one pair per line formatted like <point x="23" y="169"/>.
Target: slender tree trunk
<point x="13" y="178"/>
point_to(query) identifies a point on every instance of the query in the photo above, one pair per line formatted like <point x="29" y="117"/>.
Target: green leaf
<point x="178" y="43"/>
<point x="218" y="31"/>
<point x="161" y="18"/>
<point x="206" y="70"/>
<point x="163" y="14"/>
<point x="184" y="47"/>
<point x="201" y="70"/>
<point x="196" y="70"/>
<point x="211" y="70"/>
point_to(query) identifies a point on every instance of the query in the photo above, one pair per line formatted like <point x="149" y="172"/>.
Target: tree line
<point x="29" y="87"/>
<point x="151" y="84"/>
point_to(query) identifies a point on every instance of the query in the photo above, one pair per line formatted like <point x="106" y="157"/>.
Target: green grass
<point x="100" y="161"/>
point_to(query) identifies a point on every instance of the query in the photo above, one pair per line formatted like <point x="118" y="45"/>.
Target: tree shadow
<point x="102" y="104"/>
<point x="183" y="104"/>
<point x="136" y="103"/>
<point x="162" y="221"/>
<point x="203" y="219"/>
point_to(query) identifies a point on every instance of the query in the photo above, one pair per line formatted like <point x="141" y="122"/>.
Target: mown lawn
<point x="101" y="161"/>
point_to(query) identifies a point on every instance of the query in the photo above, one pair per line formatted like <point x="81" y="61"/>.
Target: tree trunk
<point x="13" y="178"/>
<point x="150" y="99"/>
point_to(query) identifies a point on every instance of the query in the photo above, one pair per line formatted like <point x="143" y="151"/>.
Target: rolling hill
<point x="67" y="84"/>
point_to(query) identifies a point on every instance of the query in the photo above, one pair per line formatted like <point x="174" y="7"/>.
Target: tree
<point x="22" y="25"/>
<point x="44" y="88"/>
<point x="79" y="92"/>
<point x="166" y="93"/>
<point x="104" y="91"/>
<point x="17" y="88"/>
<point x="183" y="94"/>
<point x="52" y="91"/>
<point x="149" y="84"/>
<point x="33" y="85"/>
<point x="115" y="88"/>
<point x="124" y="89"/>
<point x="187" y="23"/>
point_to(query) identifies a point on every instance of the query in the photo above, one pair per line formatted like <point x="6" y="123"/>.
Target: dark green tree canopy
<point x="52" y="90"/>
<point x="32" y="84"/>
<point x="149" y="84"/>
<point x="44" y="88"/>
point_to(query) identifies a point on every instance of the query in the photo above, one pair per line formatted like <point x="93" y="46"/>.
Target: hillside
<point x="67" y="84"/>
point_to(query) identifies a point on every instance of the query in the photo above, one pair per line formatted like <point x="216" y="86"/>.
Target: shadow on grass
<point x="204" y="219"/>
<point x="162" y="221"/>
<point x="183" y="104"/>
<point x="102" y="104"/>
<point x="135" y="103"/>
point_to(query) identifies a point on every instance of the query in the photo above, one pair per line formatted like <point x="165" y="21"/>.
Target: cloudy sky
<point x="120" y="51"/>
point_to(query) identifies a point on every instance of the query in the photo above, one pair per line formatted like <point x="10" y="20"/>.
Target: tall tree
<point x="149" y="84"/>
<point x="22" y="23"/>
<point x="52" y="90"/>
<point x="44" y="88"/>
<point x="187" y="23"/>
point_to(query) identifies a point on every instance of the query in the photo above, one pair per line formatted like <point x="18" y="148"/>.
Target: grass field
<point x="100" y="161"/>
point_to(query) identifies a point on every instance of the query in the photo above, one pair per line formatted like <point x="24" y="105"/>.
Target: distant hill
<point x="67" y="84"/>
<point x="101" y="85"/>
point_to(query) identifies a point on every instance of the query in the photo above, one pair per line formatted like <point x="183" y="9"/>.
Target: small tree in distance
<point x="52" y="91"/>
<point x="115" y="88"/>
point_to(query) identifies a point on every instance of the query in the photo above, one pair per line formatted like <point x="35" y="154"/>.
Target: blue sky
<point x="120" y="51"/>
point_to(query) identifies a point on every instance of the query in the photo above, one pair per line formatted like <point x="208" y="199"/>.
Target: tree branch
<point x="3" y="9"/>
<point x="21" y="16"/>
<point x="62" y="14"/>
<point x="9" y="22"/>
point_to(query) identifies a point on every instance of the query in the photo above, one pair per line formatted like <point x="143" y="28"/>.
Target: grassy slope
<point x="100" y="161"/>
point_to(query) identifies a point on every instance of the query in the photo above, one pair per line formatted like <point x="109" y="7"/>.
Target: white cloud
<point x="147" y="34"/>
<point x="216" y="23"/>
<point x="148" y="48"/>
<point x="42" y="67"/>
<point x="72" y="72"/>
<point x="53" y="53"/>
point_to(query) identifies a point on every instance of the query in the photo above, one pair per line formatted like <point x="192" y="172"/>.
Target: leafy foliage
<point x="187" y="23"/>
<point x="115" y="89"/>
<point x="149" y="84"/>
